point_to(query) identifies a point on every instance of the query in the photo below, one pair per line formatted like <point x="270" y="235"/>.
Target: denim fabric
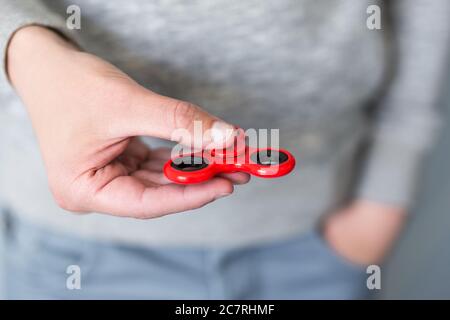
<point x="302" y="267"/>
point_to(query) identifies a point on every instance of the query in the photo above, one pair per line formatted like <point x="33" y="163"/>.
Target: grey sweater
<point x="311" y="68"/>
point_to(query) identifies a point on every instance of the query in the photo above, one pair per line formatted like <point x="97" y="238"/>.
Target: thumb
<point x="159" y="116"/>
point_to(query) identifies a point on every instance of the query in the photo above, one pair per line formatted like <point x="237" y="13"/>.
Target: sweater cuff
<point x="391" y="173"/>
<point x="18" y="14"/>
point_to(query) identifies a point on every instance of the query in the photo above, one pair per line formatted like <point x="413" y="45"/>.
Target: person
<point x="357" y="107"/>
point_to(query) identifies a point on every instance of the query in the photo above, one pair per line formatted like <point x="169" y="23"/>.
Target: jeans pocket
<point x="335" y="258"/>
<point x="41" y="258"/>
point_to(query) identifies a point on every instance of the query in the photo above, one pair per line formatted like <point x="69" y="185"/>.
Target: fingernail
<point x="221" y="132"/>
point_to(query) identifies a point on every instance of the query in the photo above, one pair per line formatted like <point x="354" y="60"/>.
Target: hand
<point x="363" y="232"/>
<point x="87" y="114"/>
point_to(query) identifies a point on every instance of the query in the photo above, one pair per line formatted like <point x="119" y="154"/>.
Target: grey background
<point x="420" y="265"/>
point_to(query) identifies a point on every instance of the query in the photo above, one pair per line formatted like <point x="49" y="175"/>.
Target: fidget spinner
<point x="203" y="165"/>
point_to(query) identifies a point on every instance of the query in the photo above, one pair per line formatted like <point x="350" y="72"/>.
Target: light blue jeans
<point x="303" y="267"/>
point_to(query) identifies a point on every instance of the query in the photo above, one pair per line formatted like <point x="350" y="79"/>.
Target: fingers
<point x="179" y="198"/>
<point x="158" y="157"/>
<point x="161" y="154"/>
<point x="135" y="154"/>
<point x="237" y="177"/>
<point x="153" y="165"/>
<point x="147" y="193"/>
<point x="128" y="197"/>
<point x="157" y="177"/>
<point x="163" y="117"/>
<point x="137" y="149"/>
<point x="151" y="178"/>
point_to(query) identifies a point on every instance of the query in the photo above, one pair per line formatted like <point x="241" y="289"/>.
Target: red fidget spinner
<point x="202" y="166"/>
